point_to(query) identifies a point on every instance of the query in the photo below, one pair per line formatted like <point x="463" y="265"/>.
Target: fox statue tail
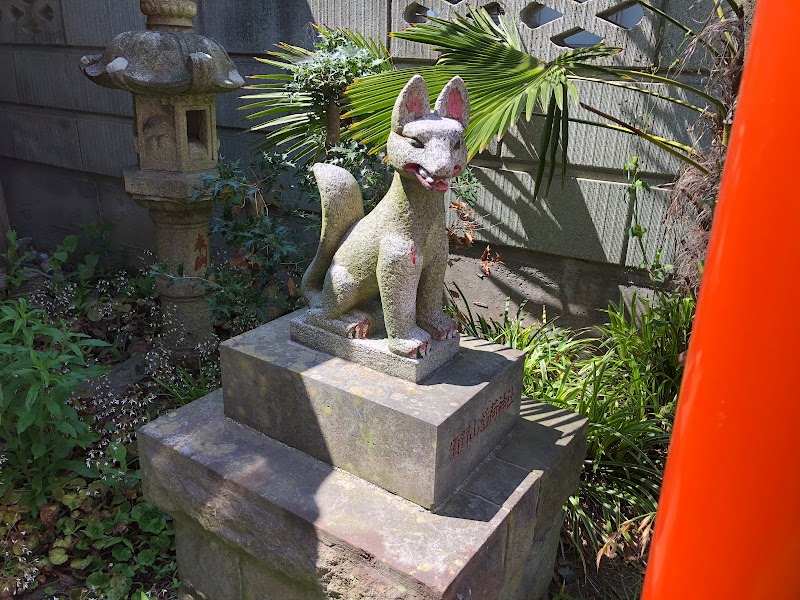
<point x="342" y="207"/>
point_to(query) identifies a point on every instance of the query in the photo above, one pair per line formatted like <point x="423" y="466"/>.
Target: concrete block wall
<point x="56" y="123"/>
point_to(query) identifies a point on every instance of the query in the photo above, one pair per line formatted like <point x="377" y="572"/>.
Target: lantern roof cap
<point x="164" y="62"/>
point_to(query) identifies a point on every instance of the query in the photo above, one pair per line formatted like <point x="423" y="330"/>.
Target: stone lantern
<point x="173" y="74"/>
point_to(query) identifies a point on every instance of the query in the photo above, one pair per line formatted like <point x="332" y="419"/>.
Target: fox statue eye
<point x="458" y="144"/>
<point x="415" y="142"/>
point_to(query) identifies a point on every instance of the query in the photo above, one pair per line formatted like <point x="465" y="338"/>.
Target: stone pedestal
<point x="181" y="229"/>
<point x="318" y="478"/>
<point x="417" y="440"/>
<point x="374" y="351"/>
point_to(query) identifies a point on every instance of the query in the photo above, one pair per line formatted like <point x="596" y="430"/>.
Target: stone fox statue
<point x="398" y="252"/>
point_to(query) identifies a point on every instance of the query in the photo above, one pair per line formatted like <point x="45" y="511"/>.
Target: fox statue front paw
<point x="441" y="327"/>
<point x="416" y="344"/>
<point x="353" y="324"/>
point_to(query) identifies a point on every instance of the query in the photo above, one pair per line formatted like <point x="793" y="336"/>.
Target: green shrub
<point x="41" y="364"/>
<point x="625" y="380"/>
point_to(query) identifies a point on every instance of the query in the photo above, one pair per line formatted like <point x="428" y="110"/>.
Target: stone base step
<point x="256" y="519"/>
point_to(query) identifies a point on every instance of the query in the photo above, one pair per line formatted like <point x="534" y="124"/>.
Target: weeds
<point x="625" y="381"/>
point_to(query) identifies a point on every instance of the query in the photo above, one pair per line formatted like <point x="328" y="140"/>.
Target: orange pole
<point x="729" y="517"/>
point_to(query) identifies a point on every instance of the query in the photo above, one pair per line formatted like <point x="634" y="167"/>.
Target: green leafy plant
<point x="373" y="174"/>
<point x="625" y="380"/>
<point x="41" y="365"/>
<point x="102" y="533"/>
<point x="301" y="103"/>
<point x="253" y="191"/>
<point x="658" y="271"/>
<point x="14" y="261"/>
<point x="67" y="269"/>
<point x="254" y="277"/>
<point x="182" y="385"/>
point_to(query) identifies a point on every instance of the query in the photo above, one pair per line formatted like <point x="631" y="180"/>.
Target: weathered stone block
<point x="207" y="564"/>
<point x="106" y="145"/>
<point x="418" y="440"/>
<point x="6" y="140"/>
<point x="40" y="137"/>
<point x="568" y="289"/>
<point x="47" y="203"/>
<point x="559" y="462"/>
<point x="176" y="187"/>
<point x="298" y="526"/>
<point x="8" y="91"/>
<point x="176" y="133"/>
<point x="50" y="77"/>
<point x="249" y="26"/>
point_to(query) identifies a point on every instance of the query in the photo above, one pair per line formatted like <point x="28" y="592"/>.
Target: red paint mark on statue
<point x="413" y="255"/>
<point x="414" y="105"/>
<point x="201" y="248"/>
<point x="477" y="426"/>
<point x="455" y="106"/>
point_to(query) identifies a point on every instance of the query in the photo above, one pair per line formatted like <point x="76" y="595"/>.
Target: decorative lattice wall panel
<point x="548" y="27"/>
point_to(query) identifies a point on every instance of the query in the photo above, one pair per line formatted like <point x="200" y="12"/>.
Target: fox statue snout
<point x="386" y="269"/>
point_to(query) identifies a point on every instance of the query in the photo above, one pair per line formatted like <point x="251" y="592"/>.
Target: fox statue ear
<point x="412" y="104"/>
<point x="453" y="102"/>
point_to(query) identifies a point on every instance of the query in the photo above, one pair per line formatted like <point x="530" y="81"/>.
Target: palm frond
<point x="504" y="82"/>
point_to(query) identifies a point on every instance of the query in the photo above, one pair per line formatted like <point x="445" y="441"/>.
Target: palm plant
<point x="506" y="84"/>
<point x="298" y="107"/>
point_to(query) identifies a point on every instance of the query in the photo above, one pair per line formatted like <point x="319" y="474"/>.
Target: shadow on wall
<point x="254" y="26"/>
<point x="569" y="290"/>
<point x="49" y="203"/>
<point x="583" y="219"/>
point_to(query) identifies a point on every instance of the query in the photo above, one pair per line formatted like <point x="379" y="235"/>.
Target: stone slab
<point x="374" y="352"/>
<point x="97" y="22"/>
<point x="417" y="440"/>
<point x="282" y="524"/>
<point x="542" y="285"/>
<point x="106" y="144"/>
<point x="6" y="139"/>
<point x="47" y="203"/>
<point x="31" y="22"/>
<point x="174" y="186"/>
<point x="40" y="137"/>
<point x="8" y="91"/>
<point x="51" y="77"/>
<point x="251" y="26"/>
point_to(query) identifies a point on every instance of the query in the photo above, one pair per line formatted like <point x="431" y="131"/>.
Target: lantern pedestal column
<point x="182" y="246"/>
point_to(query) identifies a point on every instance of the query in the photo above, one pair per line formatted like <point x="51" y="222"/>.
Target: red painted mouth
<point x="438" y="184"/>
